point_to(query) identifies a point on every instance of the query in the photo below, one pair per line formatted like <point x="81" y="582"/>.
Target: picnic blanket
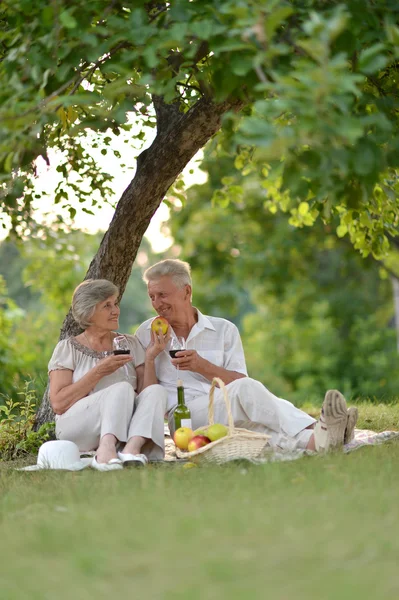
<point x="363" y="437"/>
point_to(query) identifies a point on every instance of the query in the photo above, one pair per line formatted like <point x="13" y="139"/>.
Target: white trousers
<point x="254" y="407"/>
<point x="119" y="411"/>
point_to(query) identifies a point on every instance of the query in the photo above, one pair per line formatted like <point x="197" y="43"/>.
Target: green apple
<point x="216" y="431"/>
<point x="200" y="432"/>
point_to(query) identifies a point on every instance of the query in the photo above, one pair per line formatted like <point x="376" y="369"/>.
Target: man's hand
<point x="190" y="360"/>
<point x="158" y="344"/>
<point x="112" y="363"/>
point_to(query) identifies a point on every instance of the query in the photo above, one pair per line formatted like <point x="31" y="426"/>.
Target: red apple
<point x="182" y="437"/>
<point x="159" y="323"/>
<point x="198" y="441"/>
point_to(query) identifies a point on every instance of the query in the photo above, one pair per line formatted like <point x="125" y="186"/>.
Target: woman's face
<point x="106" y="314"/>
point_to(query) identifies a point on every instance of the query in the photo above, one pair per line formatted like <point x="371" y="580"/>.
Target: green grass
<point x="317" y="528"/>
<point x="378" y="417"/>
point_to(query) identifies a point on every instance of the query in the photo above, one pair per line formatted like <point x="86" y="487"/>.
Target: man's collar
<point x="203" y="321"/>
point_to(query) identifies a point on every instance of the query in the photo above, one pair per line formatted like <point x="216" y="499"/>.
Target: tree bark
<point x="179" y="137"/>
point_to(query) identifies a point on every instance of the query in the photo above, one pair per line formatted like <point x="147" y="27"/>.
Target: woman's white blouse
<point x="73" y="356"/>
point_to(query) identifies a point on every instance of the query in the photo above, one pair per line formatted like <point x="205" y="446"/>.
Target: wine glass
<point x="177" y="344"/>
<point x="121" y="346"/>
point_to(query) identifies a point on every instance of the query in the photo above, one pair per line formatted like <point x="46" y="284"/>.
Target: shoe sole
<point x="353" y="415"/>
<point x="336" y="419"/>
<point x="103" y="467"/>
<point x="133" y="463"/>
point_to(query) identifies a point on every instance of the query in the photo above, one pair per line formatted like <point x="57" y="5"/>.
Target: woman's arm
<point x="64" y="393"/>
<point x="146" y="374"/>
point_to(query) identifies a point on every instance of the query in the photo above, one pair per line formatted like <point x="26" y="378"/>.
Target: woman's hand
<point x="157" y="345"/>
<point x="112" y="363"/>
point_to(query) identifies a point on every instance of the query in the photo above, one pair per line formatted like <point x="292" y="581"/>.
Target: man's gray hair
<point x="178" y="270"/>
<point x="87" y="295"/>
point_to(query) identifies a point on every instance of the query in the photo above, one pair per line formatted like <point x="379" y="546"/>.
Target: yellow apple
<point x="182" y="437"/>
<point x="159" y="323"/>
<point x="217" y="431"/>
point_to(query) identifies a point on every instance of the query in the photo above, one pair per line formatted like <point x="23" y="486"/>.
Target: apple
<point x="189" y="465"/>
<point x="201" y="432"/>
<point x="217" y="431"/>
<point x="182" y="437"/>
<point x="159" y="323"/>
<point x="198" y="441"/>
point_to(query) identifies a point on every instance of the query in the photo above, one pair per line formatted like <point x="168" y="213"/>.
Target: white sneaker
<point x="133" y="460"/>
<point x="353" y="415"/>
<point x="330" y="429"/>
<point x="115" y="464"/>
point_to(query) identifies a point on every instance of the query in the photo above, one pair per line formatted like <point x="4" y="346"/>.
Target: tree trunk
<point x="179" y="137"/>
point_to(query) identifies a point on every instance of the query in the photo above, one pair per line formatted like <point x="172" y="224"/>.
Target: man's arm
<point x="190" y="360"/>
<point x="233" y="365"/>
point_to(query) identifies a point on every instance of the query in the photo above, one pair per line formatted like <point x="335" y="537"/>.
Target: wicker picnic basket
<point x="238" y="443"/>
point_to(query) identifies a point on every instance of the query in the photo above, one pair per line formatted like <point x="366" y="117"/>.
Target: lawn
<point x="320" y="527"/>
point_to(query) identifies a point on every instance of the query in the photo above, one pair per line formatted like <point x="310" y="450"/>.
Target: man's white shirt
<point x="216" y="340"/>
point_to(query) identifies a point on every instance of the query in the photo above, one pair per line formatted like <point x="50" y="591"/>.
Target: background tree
<point x="313" y="313"/>
<point x="314" y="81"/>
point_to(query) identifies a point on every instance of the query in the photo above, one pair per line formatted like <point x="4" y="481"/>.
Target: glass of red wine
<point x="121" y="346"/>
<point x="176" y="344"/>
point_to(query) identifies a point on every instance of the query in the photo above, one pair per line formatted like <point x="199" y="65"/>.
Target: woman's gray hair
<point x="178" y="270"/>
<point x="87" y="295"/>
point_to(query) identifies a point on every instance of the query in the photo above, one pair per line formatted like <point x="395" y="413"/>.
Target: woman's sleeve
<point x="137" y="350"/>
<point x="63" y="357"/>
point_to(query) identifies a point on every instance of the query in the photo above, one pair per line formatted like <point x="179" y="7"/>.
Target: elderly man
<point x="214" y="349"/>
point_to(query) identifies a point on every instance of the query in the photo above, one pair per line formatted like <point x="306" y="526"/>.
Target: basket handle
<point x="218" y="381"/>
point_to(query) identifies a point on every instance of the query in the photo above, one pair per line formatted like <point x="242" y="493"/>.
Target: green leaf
<point x="241" y="64"/>
<point x="364" y="162"/>
<point x="372" y="59"/>
<point x="303" y="208"/>
<point x="275" y="19"/>
<point x="68" y="20"/>
<point x="392" y="34"/>
<point x="8" y="162"/>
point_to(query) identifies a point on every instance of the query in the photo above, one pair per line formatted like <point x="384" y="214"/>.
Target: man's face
<point x="168" y="300"/>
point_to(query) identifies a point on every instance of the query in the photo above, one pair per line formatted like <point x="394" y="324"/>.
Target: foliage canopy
<point x="318" y="83"/>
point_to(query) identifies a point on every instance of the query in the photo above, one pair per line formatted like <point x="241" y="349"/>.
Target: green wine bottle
<point x="182" y="415"/>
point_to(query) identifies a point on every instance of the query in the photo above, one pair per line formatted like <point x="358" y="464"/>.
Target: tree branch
<point x="189" y="87"/>
<point x="167" y="114"/>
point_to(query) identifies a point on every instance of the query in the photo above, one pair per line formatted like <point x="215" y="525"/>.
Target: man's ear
<point x="188" y="292"/>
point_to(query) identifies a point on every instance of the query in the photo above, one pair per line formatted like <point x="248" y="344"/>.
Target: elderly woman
<point x="105" y="401"/>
